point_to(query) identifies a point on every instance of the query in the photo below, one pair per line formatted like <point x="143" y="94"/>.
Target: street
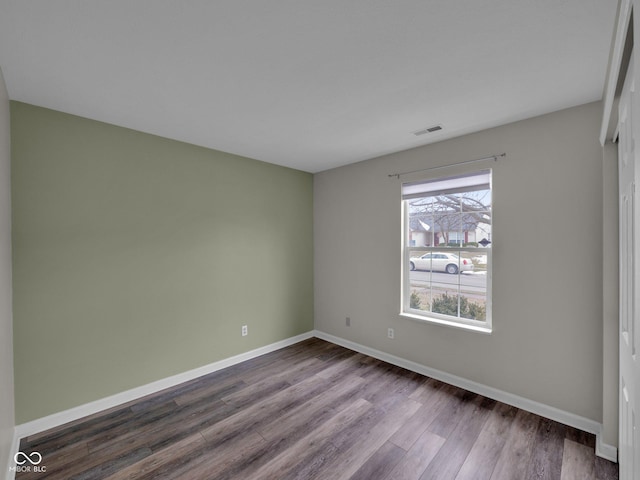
<point x="469" y="282"/>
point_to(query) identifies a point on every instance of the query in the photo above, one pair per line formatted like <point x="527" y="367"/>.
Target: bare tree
<point x="450" y="213"/>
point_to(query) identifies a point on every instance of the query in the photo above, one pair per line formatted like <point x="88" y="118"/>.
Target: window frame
<point x="408" y="251"/>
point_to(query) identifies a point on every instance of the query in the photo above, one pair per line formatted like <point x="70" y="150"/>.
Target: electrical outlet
<point x="348" y="321"/>
<point x="245" y="330"/>
<point x="391" y="333"/>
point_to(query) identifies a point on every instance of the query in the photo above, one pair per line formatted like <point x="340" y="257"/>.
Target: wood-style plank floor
<point x="316" y="411"/>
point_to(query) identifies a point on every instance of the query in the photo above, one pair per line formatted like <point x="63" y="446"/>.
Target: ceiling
<point x="306" y="84"/>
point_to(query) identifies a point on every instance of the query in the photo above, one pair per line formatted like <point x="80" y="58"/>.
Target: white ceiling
<point x="305" y="84"/>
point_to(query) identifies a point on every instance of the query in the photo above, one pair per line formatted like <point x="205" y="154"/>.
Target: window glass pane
<point x="477" y="217"/>
<point x="483" y="235"/>
<point x="473" y="285"/>
<point x="455" y="220"/>
<point x="420" y="232"/>
<point x="446" y="303"/>
<point x="473" y="307"/>
<point x="480" y="259"/>
<point x="420" y="296"/>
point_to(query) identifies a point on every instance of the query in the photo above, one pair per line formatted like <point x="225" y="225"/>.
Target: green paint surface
<point x="136" y="258"/>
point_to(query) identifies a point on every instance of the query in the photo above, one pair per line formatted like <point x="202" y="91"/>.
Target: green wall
<point x="137" y="257"/>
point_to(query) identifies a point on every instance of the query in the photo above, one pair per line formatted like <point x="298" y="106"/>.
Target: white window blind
<point x="443" y="186"/>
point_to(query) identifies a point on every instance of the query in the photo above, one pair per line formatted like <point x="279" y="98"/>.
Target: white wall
<point x="547" y="284"/>
<point x="6" y="323"/>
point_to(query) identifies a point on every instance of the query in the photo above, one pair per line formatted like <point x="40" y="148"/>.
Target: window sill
<point x="448" y="323"/>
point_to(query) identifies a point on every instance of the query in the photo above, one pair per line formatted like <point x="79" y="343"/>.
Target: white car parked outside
<point x="441" y="262"/>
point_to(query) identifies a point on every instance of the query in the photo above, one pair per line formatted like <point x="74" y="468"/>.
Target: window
<point x="447" y="240"/>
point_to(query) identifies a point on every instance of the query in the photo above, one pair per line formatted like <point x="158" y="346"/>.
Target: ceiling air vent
<point x="424" y="131"/>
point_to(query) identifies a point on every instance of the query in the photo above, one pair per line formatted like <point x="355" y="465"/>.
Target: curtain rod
<point x="492" y="157"/>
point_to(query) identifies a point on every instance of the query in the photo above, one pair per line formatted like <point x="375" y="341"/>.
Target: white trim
<point x="567" y="418"/>
<point x="15" y="446"/>
<point x="60" y="418"/>
<point x="622" y="26"/>
<point x="457" y="323"/>
<point x="606" y="451"/>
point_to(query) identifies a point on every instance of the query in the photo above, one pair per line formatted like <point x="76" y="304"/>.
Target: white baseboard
<point x="60" y="418"/>
<point x="606" y="451"/>
<point x="603" y="450"/>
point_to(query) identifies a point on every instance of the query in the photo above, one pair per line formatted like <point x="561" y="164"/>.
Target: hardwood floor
<point x="316" y="410"/>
